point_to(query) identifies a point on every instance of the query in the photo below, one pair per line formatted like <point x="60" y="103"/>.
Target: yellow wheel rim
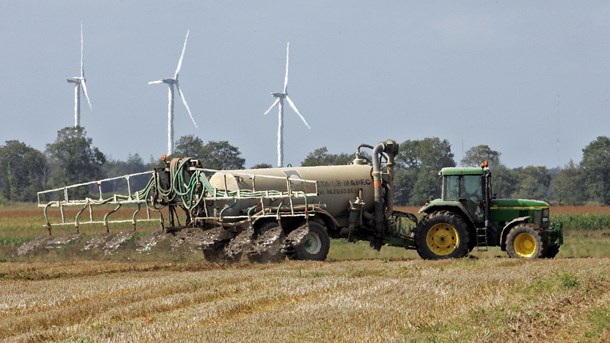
<point x="525" y="245"/>
<point x="442" y="239"/>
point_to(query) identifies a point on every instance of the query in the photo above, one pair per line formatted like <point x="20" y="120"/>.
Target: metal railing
<point x="61" y="198"/>
<point x="294" y="200"/>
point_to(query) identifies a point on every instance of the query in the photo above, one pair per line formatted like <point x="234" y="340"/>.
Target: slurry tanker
<point x="294" y="212"/>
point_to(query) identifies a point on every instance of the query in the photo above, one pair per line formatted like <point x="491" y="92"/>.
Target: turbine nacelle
<point x="279" y="95"/>
<point x="75" y="79"/>
<point x="169" y="81"/>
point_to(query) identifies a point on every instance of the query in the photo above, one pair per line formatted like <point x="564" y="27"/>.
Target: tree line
<point x="72" y="158"/>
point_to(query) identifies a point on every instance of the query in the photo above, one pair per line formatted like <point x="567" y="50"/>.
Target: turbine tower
<point x="279" y="101"/>
<point x="79" y="83"/>
<point x="171" y="83"/>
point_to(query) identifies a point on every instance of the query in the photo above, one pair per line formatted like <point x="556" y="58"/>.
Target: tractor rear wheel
<point x="314" y="246"/>
<point x="524" y="241"/>
<point x="441" y="235"/>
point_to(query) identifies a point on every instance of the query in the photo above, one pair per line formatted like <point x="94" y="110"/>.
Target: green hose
<point x="193" y="188"/>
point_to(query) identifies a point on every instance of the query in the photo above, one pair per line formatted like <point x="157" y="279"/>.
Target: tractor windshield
<point x="462" y="187"/>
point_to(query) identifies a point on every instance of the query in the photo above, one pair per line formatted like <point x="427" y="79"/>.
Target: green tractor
<point x="468" y="215"/>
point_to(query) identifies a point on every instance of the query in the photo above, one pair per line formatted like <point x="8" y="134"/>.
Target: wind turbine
<point x="279" y="101"/>
<point x="171" y="83"/>
<point x="79" y="83"/>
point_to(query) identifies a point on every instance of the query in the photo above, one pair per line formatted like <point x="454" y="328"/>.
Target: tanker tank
<point x="336" y="185"/>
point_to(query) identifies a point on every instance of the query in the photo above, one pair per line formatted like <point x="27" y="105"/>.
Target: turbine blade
<point x="277" y="101"/>
<point x="82" y="59"/>
<point x="294" y="108"/>
<point x="286" y="76"/>
<point x="181" y="55"/>
<point x="84" y="84"/>
<point x="155" y="82"/>
<point x="186" y="105"/>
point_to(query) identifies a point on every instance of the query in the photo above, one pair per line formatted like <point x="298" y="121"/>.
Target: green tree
<point x="596" y="169"/>
<point x="262" y="166"/>
<point x="222" y="155"/>
<point x="74" y="158"/>
<point x="321" y="157"/>
<point x="533" y="183"/>
<point x="426" y="186"/>
<point x="190" y="146"/>
<point x="134" y="164"/>
<point x="417" y="166"/>
<point x="404" y="182"/>
<point x="504" y="182"/>
<point x="568" y="186"/>
<point x="429" y="153"/>
<point x="213" y="155"/>
<point x="477" y="154"/>
<point x="23" y="171"/>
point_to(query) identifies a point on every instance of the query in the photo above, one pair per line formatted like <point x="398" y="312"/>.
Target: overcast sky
<point x="531" y="79"/>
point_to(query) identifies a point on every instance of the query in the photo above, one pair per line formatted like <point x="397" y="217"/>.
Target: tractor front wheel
<point x="442" y="235"/>
<point x="524" y="241"/>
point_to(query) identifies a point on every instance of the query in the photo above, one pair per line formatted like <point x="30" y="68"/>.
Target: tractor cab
<point x="470" y="187"/>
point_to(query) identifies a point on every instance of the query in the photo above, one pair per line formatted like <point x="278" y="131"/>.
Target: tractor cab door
<point x="468" y="190"/>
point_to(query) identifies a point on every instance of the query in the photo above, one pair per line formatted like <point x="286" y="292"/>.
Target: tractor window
<point x="472" y="188"/>
<point x="451" y="190"/>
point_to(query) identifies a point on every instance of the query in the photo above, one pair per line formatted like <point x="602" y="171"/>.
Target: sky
<point x="531" y="79"/>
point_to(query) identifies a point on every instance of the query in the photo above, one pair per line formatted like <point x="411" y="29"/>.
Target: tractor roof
<point x="464" y="171"/>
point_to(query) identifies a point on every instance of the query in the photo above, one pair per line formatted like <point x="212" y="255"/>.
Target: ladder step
<point x="482" y="239"/>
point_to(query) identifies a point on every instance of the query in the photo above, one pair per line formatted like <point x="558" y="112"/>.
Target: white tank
<point x="337" y="185"/>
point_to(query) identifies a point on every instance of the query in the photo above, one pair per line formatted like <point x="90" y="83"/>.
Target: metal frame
<point x="131" y="198"/>
<point x="290" y="209"/>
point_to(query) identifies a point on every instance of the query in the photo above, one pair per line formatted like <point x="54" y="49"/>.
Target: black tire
<point x="442" y="235"/>
<point x="525" y="241"/>
<point x="550" y="251"/>
<point x="314" y="246"/>
<point x="271" y="253"/>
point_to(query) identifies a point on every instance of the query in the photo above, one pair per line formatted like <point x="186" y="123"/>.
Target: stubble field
<point x="359" y="295"/>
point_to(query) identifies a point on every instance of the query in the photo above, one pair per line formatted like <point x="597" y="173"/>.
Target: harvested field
<point x="351" y="301"/>
<point x="145" y="287"/>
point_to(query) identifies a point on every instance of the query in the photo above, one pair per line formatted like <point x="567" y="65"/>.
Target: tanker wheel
<point x="270" y="251"/>
<point x="315" y="245"/>
<point x="442" y="235"/>
<point x="524" y="241"/>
